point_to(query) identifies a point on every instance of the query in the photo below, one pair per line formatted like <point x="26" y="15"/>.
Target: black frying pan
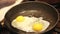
<point x="43" y="9"/>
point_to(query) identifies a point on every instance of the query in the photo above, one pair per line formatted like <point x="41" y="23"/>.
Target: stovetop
<point x="55" y="30"/>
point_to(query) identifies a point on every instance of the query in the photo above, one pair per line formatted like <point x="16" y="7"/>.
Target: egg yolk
<point x="20" y="18"/>
<point x="37" y="27"/>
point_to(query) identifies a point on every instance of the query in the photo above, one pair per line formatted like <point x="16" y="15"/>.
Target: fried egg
<point x="23" y="23"/>
<point x="30" y="24"/>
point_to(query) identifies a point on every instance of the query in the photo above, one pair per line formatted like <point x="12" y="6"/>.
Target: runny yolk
<point x="37" y="27"/>
<point x="20" y="19"/>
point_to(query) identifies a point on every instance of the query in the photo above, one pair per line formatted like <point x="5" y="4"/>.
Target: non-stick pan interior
<point x="36" y="9"/>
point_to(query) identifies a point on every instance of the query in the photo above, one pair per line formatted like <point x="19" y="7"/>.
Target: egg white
<point x="26" y="25"/>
